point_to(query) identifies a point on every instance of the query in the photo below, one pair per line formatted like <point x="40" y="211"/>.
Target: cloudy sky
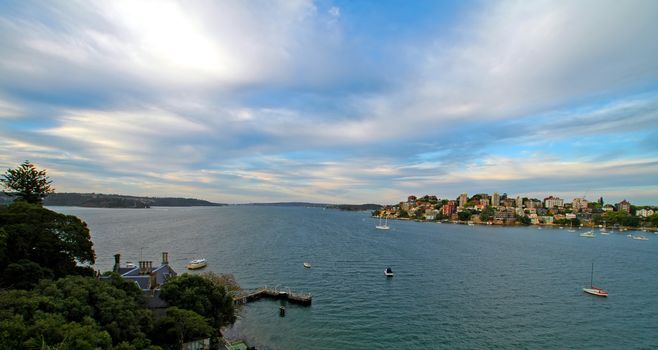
<point x="333" y="101"/>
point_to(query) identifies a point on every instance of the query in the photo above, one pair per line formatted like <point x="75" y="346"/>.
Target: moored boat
<point x="307" y="264"/>
<point x="588" y="234"/>
<point x="388" y="272"/>
<point x="196" y="264"/>
<point x="384" y="226"/>
<point x="594" y="290"/>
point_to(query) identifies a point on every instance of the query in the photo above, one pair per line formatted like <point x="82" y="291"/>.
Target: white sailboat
<point x="594" y="290"/>
<point x="384" y="226"/>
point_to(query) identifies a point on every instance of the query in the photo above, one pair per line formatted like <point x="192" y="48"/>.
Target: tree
<point x="27" y="183"/>
<point x="54" y="241"/>
<point x="464" y="215"/>
<point x="180" y="326"/>
<point x="201" y="295"/>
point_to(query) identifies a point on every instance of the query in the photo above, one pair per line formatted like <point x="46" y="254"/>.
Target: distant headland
<point x="99" y="200"/>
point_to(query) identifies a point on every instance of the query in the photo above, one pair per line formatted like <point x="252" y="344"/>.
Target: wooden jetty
<point x="274" y="293"/>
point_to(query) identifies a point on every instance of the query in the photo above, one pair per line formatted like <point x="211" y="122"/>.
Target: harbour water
<point x="456" y="286"/>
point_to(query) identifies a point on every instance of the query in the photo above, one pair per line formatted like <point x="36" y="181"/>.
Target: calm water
<point x="456" y="287"/>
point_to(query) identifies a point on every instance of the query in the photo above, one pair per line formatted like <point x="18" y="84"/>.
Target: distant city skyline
<point x="333" y="101"/>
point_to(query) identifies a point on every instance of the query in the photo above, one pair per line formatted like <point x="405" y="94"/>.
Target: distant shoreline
<point x="552" y="226"/>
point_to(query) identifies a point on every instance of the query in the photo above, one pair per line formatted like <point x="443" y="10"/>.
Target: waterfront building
<point x="624" y="206"/>
<point x="519" y="202"/>
<point x="411" y="200"/>
<point x="608" y="207"/>
<point x="551" y="202"/>
<point x="147" y="278"/>
<point x="495" y="200"/>
<point x="463" y="199"/>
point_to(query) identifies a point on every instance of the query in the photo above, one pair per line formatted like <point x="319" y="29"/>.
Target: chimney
<point x="165" y="258"/>
<point x="149" y="266"/>
<point x="117" y="261"/>
<point x="142" y="267"/>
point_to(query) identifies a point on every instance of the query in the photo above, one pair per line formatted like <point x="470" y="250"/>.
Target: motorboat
<point x="594" y="290"/>
<point x="588" y="234"/>
<point x="388" y="272"/>
<point x="307" y="264"/>
<point x="196" y="264"/>
<point x="641" y="238"/>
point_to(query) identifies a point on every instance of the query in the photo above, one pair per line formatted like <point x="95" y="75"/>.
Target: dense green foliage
<point x="180" y="325"/>
<point x="621" y="218"/>
<point x="567" y="222"/>
<point x="74" y="312"/>
<point x="28" y="183"/>
<point x="201" y="295"/>
<point x="39" y="243"/>
<point x="464" y="215"/>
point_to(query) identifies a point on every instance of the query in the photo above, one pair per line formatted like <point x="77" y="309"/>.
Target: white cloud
<point x="9" y="109"/>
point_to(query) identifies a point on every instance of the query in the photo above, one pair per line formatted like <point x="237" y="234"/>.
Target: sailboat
<point x="384" y="226"/>
<point x="594" y="290"/>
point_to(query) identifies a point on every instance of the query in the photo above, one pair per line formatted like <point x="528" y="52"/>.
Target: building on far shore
<point x="579" y="204"/>
<point x="463" y="199"/>
<point x="552" y="202"/>
<point x="644" y="213"/>
<point x="624" y="206"/>
<point x="495" y="200"/>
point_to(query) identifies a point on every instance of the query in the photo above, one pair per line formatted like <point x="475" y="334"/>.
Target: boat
<point x="384" y="226"/>
<point x="594" y="290"/>
<point x="588" y="234"/>
<point x="641" y="238"/>
<point x="196" y="264"/>
<point x="388" y="272"/>
<point x="307" y="264"/>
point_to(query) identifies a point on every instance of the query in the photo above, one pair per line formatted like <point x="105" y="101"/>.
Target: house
<point x="645" y="213"/>
<point x="624" y="206"/>
<point x="146" y="277"/>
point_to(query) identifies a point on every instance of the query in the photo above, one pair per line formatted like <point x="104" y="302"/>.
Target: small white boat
<point x="196" y="264"/>
<point x="588" y="234"/>
<point x="388" y="272"/>
<point x="307" y="264"/>
<point x="594" y="290"/>
<point x="384" y="226"/>
<point x="641" y="238"/>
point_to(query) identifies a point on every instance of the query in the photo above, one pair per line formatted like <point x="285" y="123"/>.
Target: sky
<point x="333" y="101"/>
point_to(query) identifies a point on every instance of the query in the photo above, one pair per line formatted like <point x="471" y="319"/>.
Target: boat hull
<point x="382" y="227"/>
<point x="596" y="291"/>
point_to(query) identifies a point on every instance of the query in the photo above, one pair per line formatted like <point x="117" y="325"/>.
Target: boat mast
<point x="591" y="279"/>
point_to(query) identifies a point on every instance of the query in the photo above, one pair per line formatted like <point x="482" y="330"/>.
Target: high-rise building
<point x="551" y="202"/>
<point x="519" y="202"/>
<point x="579" y="204"/>
<point x="495" y="199"/>
<point x="463" y="199"/>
